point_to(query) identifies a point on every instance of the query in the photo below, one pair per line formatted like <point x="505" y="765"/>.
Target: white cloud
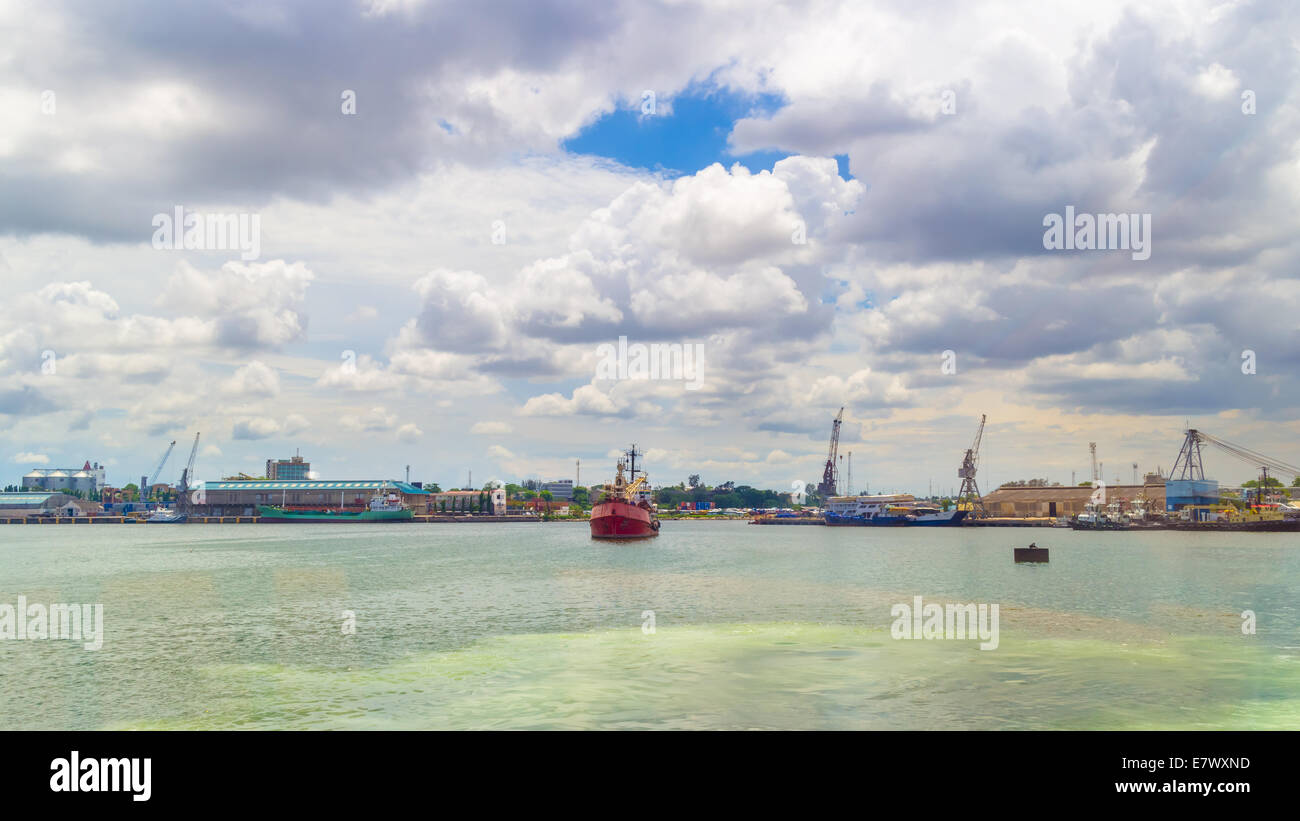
<point x="254" y="379"/>
<point x="255" y="428"/>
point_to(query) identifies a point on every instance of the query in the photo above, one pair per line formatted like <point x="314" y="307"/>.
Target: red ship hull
<point x="622" y="520"/>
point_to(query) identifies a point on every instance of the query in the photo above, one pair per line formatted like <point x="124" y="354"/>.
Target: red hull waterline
<point x="621" y="520"/>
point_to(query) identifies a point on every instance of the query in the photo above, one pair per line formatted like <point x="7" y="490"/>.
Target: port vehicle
<point x="624" y="511"/>
<point x="384" y="506"/>
<point x="889" y="510"/>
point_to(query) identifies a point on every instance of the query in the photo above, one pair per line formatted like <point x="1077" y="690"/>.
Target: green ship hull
<point x="278" y="514"/>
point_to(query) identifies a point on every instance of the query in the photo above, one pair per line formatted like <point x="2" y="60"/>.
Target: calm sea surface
<point x="537" y="626"/>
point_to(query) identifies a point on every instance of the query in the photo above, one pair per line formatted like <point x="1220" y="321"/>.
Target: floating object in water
<point x="1033" y="553"/>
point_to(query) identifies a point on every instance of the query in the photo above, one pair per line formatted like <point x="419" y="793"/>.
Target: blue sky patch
<point x="692" y="136"/>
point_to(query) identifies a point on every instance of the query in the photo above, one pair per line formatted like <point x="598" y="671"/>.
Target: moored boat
<point x="383" y="507"/>
<point x="889" y="510"/>
<point x="1093" y="518"/>
<point x="624" y="510"/>
<point x="163" y="516"/>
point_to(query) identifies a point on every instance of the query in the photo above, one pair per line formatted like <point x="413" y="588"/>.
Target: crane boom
<point x="830" y="474"/>
<point x="153" y="480"/>
<point x="1189" y="465"/>
<point x="188" y="475"/>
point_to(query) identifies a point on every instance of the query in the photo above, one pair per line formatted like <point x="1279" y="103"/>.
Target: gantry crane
<point x="970" y="489"/>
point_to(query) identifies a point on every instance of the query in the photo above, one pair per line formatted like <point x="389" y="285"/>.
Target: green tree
<point x="1272" y="481"/>
<point x="726" y="500"/>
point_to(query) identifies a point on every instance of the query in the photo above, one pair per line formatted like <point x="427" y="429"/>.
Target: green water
<point x="537" y="626"/>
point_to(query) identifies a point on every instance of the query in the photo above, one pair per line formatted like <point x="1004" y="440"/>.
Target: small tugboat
<point x="383" y="507"/>
<point x="1092" y="518"/>
<point x="624" y="511"/>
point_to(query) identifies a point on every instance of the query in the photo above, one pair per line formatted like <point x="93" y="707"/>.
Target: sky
<point x="461" y="208"/>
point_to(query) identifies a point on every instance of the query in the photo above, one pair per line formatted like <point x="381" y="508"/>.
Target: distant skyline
<point x="843" y="203"/>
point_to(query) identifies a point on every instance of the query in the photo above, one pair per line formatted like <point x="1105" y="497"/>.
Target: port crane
<point x="1188" y="465"/>
<point x="153" y="480"/>
<point x="187" y="476"/>
<point x="830" y="474"/>
<point x="970" y="489"/>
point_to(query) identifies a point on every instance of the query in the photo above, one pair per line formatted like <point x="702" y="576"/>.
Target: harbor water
<point x="711" y="625"/>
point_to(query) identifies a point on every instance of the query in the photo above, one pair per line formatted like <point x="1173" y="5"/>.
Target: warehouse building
<point x="1023" y="501"/>
<point x="37" y="503"/>
<point x="241" y="497"/>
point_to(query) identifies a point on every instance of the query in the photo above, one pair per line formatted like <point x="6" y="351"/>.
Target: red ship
<point x="624" y="510"/>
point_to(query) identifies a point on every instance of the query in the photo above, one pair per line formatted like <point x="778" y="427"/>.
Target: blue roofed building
<point x="1181" y="493"/>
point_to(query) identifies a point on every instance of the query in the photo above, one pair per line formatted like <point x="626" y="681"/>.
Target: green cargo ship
<point x="381" y="509"/>
<point x="270" y="513"/>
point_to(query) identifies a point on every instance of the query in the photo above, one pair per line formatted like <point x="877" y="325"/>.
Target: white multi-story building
<point x="560" y="489"/>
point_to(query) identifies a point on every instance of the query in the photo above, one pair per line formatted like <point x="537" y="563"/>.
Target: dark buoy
<point x="1033" y="553"/>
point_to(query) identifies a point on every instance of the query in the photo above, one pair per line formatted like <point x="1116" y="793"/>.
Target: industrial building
<point x="464" y="501"/>
<point x="1180" y="493"/>
<point x="29" y="503"/>
<point x="241" y="498"/>
<point x="292" y="468"/>
<point x="1054" y="501"/>
<point x="560" y="489"/>
<point x="88" y="479"/>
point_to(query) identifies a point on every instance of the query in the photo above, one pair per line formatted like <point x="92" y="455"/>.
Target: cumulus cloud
<point x="262" y="427"/>
<point x="246" y="305"/>
<point x="256" y="428"/>
<point x="253" y="379"/>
